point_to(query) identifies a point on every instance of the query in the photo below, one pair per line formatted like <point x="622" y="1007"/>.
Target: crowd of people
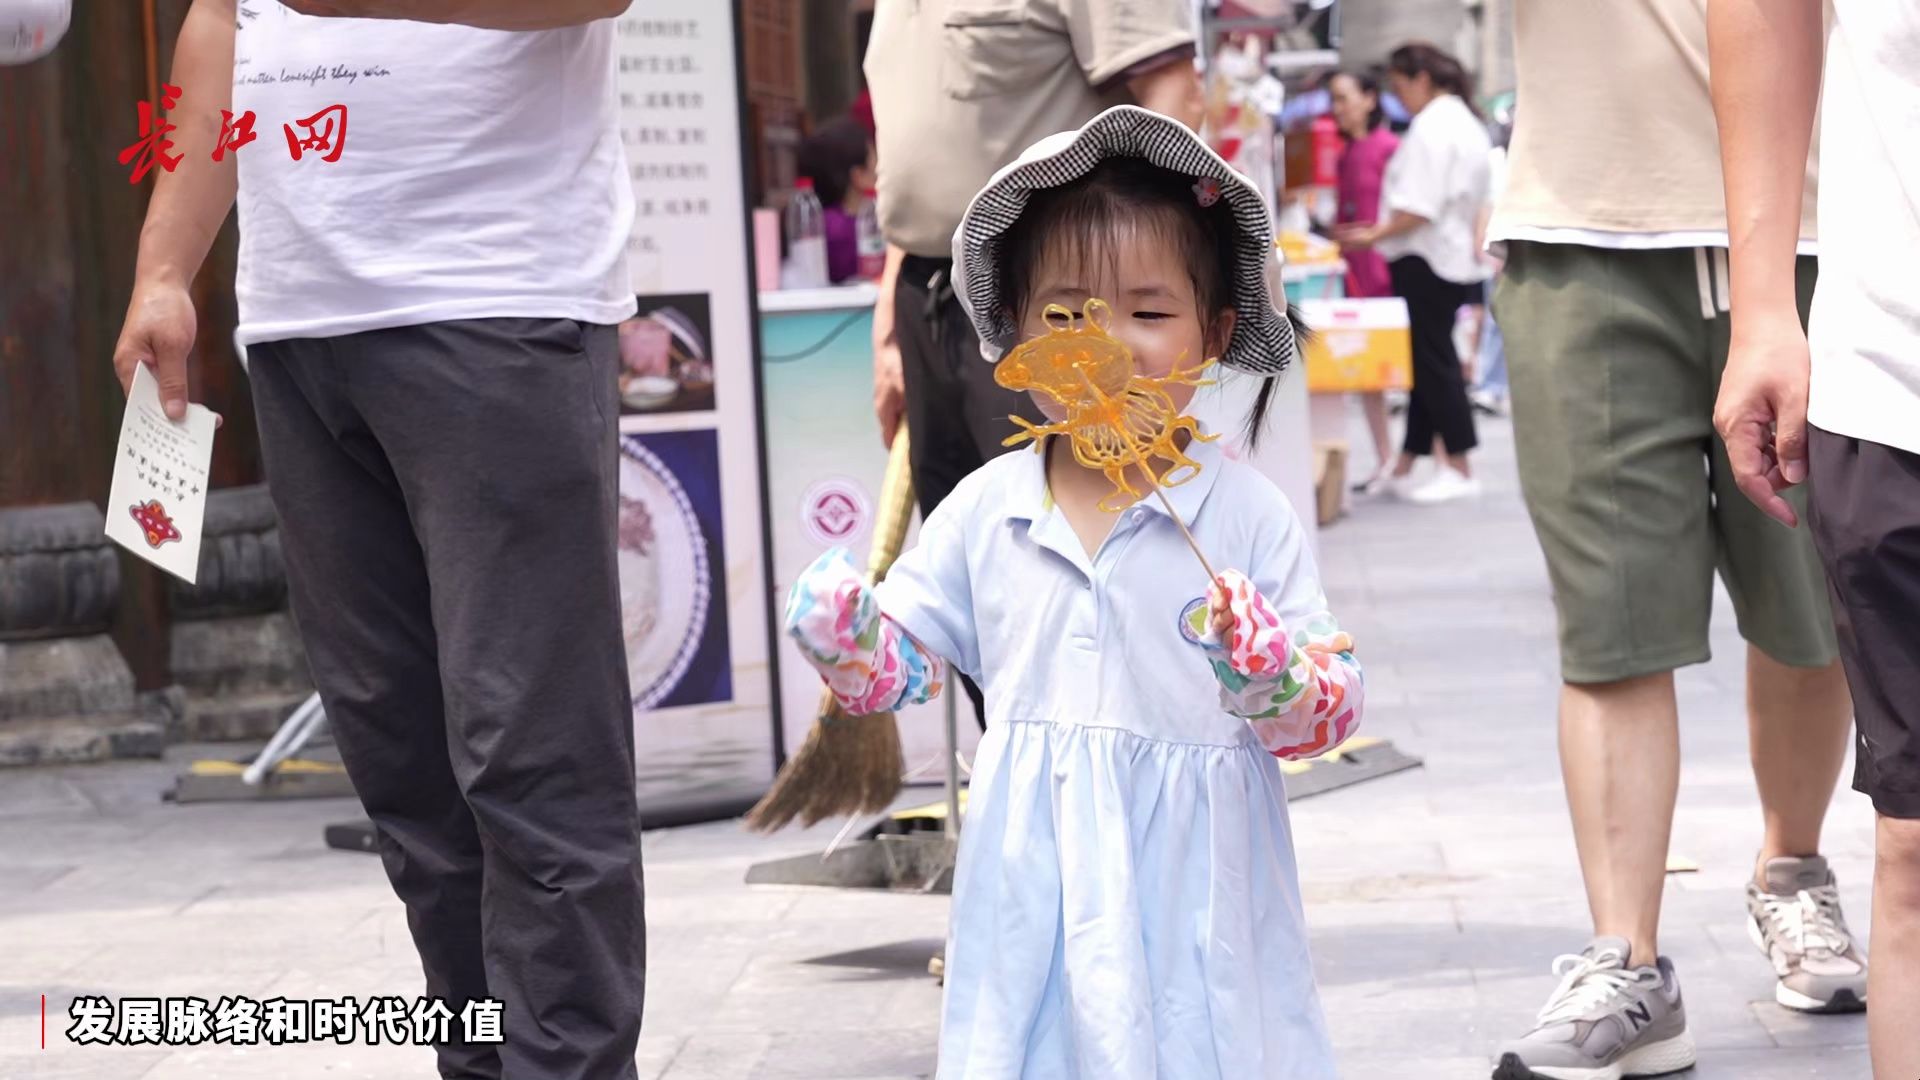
<point x="1126" y="902"/>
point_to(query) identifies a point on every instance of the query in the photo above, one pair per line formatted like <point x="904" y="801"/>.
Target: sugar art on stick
<point x="1115" y="417"/>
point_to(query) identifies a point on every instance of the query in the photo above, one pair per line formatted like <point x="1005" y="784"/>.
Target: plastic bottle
<point x="870" y="242"/>
<point x="806" y="239"/>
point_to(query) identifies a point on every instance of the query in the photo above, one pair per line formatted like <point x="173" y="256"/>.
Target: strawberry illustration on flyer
<point x="153" y="519"/>
<point x="160" y="474"/>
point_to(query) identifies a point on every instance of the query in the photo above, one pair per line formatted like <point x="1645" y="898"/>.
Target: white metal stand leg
<point x="293" y="735"/>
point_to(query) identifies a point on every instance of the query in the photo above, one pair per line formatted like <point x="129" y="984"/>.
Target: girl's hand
<point x="1219" y="612"/>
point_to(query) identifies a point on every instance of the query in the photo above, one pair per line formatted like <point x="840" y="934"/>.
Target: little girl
<point x="1126" y="905"/>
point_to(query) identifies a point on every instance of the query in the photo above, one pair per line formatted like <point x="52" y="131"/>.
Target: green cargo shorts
<point x="1615" y="359"/>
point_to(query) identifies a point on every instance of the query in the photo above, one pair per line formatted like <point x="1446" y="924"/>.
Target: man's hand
<point x="485" y="14"/>
<point x="1766" y="57"/>
<point x="1762" y="414"/>
<point x="159" y="332"/>
<point x="889" y="380"/>
<point x="889" y="389"/>
<point x="1172" y="89"/>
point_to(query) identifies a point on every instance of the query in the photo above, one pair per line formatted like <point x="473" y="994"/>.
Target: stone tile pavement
<point x="1437" y="897"/>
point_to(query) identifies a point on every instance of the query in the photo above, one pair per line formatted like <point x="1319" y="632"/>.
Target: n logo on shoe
<point x="1641" y="1016"/>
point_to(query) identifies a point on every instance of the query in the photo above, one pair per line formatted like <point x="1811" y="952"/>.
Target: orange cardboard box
<point x="1358" y="345"/>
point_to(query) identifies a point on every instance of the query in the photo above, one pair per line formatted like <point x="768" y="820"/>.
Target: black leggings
<point x="1439" y="402"/>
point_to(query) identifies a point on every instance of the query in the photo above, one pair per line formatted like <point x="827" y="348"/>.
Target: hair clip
<point x="1207" y="190"/>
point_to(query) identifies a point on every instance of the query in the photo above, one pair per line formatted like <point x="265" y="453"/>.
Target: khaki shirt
<point x="961" y="87"/>
<point x="1613" y="123"/>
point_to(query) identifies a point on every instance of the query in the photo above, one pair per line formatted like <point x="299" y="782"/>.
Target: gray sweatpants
<point x="447" y="502"/>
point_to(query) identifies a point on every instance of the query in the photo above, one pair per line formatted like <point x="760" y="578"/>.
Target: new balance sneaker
<point x="1796" y="921"/>
<point x="1605" y="1021"/>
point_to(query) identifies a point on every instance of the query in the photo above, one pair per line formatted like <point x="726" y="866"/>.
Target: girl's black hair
<point x="829" y="157"/>
<point x="1082" y="221"/>
<point x="1449" y="76"/>
<point x="1369" y="83"/>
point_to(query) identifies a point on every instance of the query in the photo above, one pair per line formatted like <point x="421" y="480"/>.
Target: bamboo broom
<point x="849" y="764"/>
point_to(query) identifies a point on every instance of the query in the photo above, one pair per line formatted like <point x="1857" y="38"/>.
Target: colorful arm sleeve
<point x="1303" y="693"/>
<point x="868" y="661"/>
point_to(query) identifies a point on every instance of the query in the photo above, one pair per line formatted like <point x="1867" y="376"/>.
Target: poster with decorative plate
<point x="673" y="607"/>
<point x="705" y="719"/>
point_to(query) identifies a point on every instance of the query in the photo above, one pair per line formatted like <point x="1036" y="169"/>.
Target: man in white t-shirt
<point x="433" y="226"/>
<point x="1845" y="413"/>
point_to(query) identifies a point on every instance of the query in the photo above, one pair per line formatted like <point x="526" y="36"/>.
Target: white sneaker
<point x="1446" y="487"/>
<point x="1380" y="483"/>
<point x="1796" y="921"/>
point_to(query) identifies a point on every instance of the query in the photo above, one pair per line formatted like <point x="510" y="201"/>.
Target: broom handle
<point x="895" y="512"/>
<point x="1154" y="482"/>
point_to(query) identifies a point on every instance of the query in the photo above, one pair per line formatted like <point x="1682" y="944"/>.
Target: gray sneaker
<point x="1797" y="922"/>
<point x="1604" y="1021"/>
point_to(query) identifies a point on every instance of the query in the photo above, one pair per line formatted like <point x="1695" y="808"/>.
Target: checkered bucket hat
<point x="1263" y="339"/>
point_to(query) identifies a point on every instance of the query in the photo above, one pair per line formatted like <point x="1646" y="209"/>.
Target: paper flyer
<point x="159" y="494"/>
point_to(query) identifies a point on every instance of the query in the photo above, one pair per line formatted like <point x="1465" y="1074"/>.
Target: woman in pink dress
<point x="1356" y="108"/>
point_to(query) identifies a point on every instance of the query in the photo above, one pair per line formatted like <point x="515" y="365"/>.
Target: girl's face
<point x="1352" y="106"/>
<point x="1143" y="277"/>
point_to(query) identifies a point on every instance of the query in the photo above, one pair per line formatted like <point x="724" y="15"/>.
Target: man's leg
<point x="1798" y="713"/>
<point x="502" y="435"/>
<point x="956" y="414"/>
<point x="359" y="587"/>
<point x="1611" y="405"/>
<point x="989" y="407"/>
<point x="1893" y="985"/>
<point x="1866" y="519"/>
<point x="942" y="450"/>
<point x="1798" y="709"/>
<point x="1620" y="756"/>
<point x="1798" y="721"/>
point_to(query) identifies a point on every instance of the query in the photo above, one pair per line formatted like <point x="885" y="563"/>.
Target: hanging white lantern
<point x="29" y="29"/>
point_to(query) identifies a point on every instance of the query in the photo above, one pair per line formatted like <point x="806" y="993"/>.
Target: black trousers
<point x="446" y="496"/>
<point x="956" y="413"/>
<point x="1438" y="403"/>
<point x="1864" y="503"/>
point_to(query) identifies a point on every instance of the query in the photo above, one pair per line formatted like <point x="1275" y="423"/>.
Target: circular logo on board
<point x="833" y="511"/>
<point x="1193" y="619"/>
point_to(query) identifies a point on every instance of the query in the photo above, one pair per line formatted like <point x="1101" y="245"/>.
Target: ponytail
<point x="1263" y="401"/>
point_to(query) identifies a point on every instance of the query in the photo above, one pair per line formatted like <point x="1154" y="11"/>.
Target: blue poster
<point x="673" y="569"/>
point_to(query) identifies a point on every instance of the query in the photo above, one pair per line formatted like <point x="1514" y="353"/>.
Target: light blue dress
<point x="1126" y="905"/>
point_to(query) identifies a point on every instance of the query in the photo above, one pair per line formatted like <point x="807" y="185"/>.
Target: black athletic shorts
<point x="1865" y="505"/>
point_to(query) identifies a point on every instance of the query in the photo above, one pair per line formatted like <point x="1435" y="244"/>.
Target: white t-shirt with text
<point x="1865" y="327"/>
<point x="480" y="175"/>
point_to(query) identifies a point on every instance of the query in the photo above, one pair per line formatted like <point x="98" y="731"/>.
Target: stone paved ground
<point x="1437" y="898"/>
